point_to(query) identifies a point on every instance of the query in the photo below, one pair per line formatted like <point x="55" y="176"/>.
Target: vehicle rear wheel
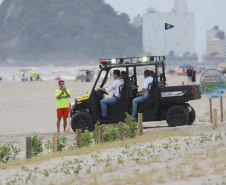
<point x="192" y="117"/>
<point x="177" y="115"/>
<point x="82" y="120"/>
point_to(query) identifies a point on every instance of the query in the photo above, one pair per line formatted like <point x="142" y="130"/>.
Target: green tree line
<point x="55" y="30"/>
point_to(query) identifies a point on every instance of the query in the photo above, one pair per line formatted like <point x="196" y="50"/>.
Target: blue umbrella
<point x="187" y="66"/>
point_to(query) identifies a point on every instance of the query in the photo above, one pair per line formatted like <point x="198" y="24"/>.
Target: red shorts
<point x="62" y="112"/>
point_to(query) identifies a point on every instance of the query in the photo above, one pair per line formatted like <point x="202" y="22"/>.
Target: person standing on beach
<point x="62" y="94"/>
<point x="189" y="75"/>
<point x="193" y="76"/>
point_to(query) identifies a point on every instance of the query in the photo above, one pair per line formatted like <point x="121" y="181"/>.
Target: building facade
<point x="137" y="21"/>
<point x="180" y="6"/>
<point x="180" y="39"/>
<point x="215" y="42"/>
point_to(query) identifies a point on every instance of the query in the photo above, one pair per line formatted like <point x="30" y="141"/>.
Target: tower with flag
<point x="175" y="30"/>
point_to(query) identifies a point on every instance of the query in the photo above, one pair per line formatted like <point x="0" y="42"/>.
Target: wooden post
<point x="100" y="134"/>
<point x="183" y="83"/>
<point x="211" y="115"/>
<point x="28" y="147"/>
<point x="215" y="120"/>
<point x="0" y="152"/>
<point x="121" y="130"/>
<point x="222" y="109"/>
<point x="79" y="138"/>
<point x="54" y="142"/>
<point x="140" y="123"/>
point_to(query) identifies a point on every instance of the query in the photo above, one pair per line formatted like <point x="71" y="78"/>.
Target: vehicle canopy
<point x="133" y="62"/>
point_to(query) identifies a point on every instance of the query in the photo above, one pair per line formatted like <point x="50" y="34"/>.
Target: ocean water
<point x="47" y="72"/>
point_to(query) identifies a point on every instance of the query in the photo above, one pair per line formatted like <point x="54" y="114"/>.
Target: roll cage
<point x="133" y="62"/>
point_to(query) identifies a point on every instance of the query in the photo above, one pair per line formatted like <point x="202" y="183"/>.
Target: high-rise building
<point x="180" y="39"/>
<point x="137" y="21"/>
<point x="215" y="41"/>
<point x="180" y="6"/>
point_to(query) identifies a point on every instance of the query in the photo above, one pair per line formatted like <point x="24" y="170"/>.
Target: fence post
<point x="215" y="120"/>
<point x="100" y="134"/>
<point x="121" y="130"/>
<point x="28" y="147"/>
<point x="222" y="109"/>
<point x="54" y="142"/>
<point x="140" y="123"/>
<point x="183" y="83"/>
<point x="0" y="152"/>
<point x="211" y="114"/>
<point x="79" y="138"/>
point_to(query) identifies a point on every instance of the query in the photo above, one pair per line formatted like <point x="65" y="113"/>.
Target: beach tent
<point x="187" y="66"/>
<point x="178" y="69"/>
<point x="35" y="74"/>
<point x="222" y="65"/>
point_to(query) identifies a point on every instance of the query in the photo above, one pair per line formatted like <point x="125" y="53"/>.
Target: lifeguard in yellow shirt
<point x="62" y="94"/>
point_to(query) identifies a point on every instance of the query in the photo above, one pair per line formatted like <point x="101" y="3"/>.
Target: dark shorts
<point x="63" y="112"/>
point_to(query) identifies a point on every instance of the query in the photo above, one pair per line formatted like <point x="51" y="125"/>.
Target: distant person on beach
<point x="0" y="78"/>
<point x="62" y="94"/>
<point x="189" y="75"/>
<point x="193" y="76"/>
<point x="31" y="76"/>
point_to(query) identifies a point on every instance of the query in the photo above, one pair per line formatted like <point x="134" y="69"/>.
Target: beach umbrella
<point x="35" y="74"/>
<point x="18" y="73"/>
<point x="187" y="66"/>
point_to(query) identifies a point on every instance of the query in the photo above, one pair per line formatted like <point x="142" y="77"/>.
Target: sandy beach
<point x="30" y="108"/>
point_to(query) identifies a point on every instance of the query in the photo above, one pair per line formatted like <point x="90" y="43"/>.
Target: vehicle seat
<point x="151" y="103"/>
<point x="122" y="105"/>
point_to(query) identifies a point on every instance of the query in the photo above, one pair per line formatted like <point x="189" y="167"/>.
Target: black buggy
<point x="165" y="102"/>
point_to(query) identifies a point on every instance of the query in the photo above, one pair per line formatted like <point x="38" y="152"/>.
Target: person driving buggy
<point x="143" y="94"/>
<point x="115" y="86"/>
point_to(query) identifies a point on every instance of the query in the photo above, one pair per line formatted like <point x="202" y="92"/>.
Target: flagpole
<point x="165" y="44"/>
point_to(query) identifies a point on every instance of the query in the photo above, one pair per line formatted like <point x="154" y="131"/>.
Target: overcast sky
<point x="207" y="14"/>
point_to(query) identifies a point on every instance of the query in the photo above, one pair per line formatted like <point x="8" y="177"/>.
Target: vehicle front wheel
<point x="192" y="117"/>
<point x="177" y="115"/>
<point x="83" y="121"/>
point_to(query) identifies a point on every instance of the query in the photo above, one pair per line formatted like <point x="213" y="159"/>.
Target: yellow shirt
<point x="63" y="101"/>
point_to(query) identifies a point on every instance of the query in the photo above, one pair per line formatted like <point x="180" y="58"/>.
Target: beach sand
<point x="29" y="108"/>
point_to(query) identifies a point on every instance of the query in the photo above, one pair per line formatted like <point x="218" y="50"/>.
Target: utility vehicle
<point x="165" y="102"/>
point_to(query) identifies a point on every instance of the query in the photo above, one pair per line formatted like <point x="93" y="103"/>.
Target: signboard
<point x="213" y="83"/>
